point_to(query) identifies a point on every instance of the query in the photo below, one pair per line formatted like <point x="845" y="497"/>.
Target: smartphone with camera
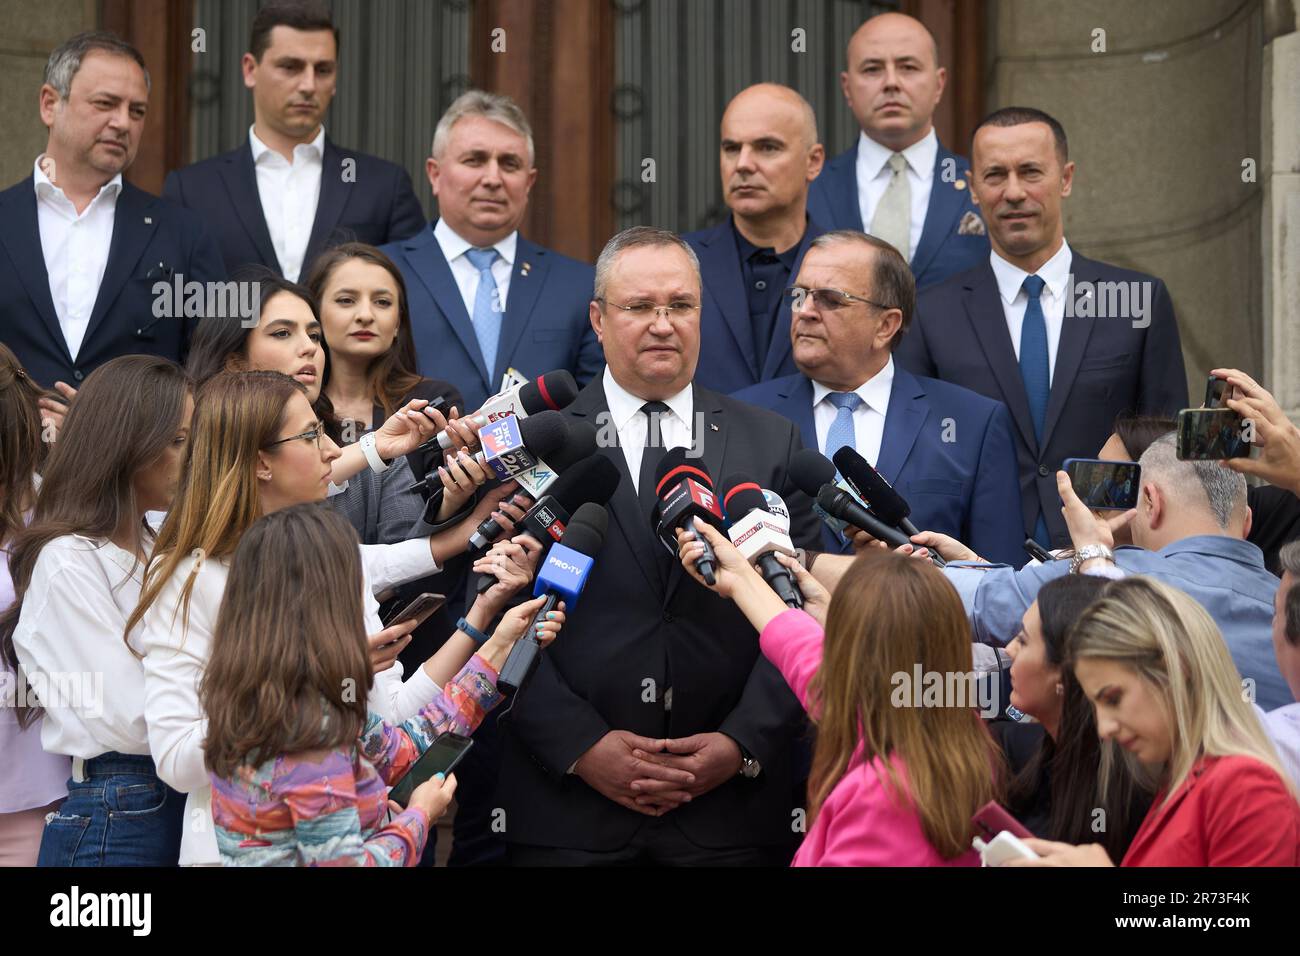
<point x="1105" y="485"/>
<point x="1211" y="434"/>
<point x="1217" y="392"/>
<point x="446" y="751"/>
<point x="420" y="607"/>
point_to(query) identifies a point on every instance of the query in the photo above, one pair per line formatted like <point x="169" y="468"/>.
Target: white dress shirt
<point x="1283" y="727"/>
<point x="289" y="193"/>
<point x="174" y="661"/>
<point x="873" y="174"/>
<point x="1055" y="272"/>
<point x="74" y="614"/>
<point x="631" y="425"/>
<point x="868" y="418"/>
<point x="75" y="247"/>
<point x="464" y="271"/>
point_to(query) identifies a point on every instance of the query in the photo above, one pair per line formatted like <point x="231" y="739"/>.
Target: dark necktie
<point x="651" y="455"/>
<point x="1037" y="374"/>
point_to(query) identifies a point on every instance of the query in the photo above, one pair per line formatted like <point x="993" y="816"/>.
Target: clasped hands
<point x="654" y="776"/>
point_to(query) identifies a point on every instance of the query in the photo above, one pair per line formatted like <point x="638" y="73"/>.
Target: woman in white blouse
<point x="76" y="576"/>
<point x="258" y="447"/>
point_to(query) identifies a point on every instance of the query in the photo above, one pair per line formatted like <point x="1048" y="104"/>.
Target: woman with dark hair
<point x="77" y="570"/>
<point x="1062" y="773"/>
<point x="32" y="784"/>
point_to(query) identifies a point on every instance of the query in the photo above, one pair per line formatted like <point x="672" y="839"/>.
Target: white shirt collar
<point x="623" y="405"/>
<point x="454" y="246"/>
<point x="46" y="189"/>
<point x="920" y="156"/>
<point x="874" y="392"/>
<point x="315" y="149"/>
<point x="1055" y="272"/>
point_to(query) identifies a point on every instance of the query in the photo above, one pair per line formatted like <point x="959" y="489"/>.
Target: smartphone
<point x="1216" y="392"/>
<point x="420" y="607"/>
<point x="992" y="820"/>
<point x="1211" y="434"/>
<point x="1105" y="485"/>
<point x="446" y="751"/>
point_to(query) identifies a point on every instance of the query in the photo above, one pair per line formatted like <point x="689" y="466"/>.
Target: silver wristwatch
<point x="749" y="767"/>
<point x="1087" y="553"/>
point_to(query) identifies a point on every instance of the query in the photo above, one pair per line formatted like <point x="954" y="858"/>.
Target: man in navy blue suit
<point x="898" y="182"/>
<point x="80" y="248"/>
<point x="288" y="192"/>
<point x="946" y="450"/>
<point x="1067" y="343"/>
<point x="483" y="298"/>
<point x="769" y="154"/>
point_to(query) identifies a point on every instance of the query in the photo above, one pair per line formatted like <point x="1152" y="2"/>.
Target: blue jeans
<point x="120" y="815"/>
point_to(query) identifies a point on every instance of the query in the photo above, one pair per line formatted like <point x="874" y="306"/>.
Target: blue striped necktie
<point x="487" y="306"/>
<point x="1036" y="373"/>
<point x="841" y="432"/>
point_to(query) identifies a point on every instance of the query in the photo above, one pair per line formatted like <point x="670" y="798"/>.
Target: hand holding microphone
<point x="760" y="533"/>
<point x="551" y="391"/>
<point x="684" y="491"/>
<point x="734" y="577"/>
<point x="510" y="565"/>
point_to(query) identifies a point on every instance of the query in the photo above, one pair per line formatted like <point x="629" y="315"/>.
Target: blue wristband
<point x="475" y="635"/>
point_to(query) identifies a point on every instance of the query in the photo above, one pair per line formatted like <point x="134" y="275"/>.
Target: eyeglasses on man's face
<point x="312" y="434"/>
<point x="643" y="309"/>
<point x="825" y="300"/>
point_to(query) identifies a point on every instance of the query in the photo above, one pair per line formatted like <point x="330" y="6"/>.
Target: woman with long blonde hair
<point x="1164" y="687"/>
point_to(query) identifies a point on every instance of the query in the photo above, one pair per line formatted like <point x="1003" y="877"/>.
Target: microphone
<point x="553" y="391"/>
<point x="811" y="471"/>
<point x="560" y="578"/>
<point x="877" y="494"/>
<point x="759" y="534"/>
<point x="591" y="481"/>
<point x="840" y="504"/>
<point x="581" y="445"/>
<point x="684" y="489"/>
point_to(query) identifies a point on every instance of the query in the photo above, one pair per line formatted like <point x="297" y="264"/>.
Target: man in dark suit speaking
<point x="288" y="192"/>
<point x="81" y="249"/>
<point x="651" y="663"/>
<point x="1066" y="343"/>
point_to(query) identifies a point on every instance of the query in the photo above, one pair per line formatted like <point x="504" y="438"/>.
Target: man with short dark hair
<point x="289" y="192"/>
<point x="81" y="249"/>
<point x="1066" y="343"/>
<point x="946" y="450"/>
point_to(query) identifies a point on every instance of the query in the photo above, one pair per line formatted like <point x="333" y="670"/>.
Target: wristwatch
<point x="1087" y="553"/>
<point x="749" y="767"/>
<point x="377" y="463"/>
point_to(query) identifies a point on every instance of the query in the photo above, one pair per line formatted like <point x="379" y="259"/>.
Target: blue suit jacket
<point x="727" y="359"/>
<point x="153" y="239"/>
<point x="942" y="252"/>
<point x="545" y="326"/>
<point x="965" y="487"/>
<point x="1104" y="367"/>
<point x="374" y="205"/>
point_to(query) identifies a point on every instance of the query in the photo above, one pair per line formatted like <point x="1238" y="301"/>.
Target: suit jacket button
<point x="76" y="373"/>
<point x="1044" y="470"/>
<point x="668" y="618"/>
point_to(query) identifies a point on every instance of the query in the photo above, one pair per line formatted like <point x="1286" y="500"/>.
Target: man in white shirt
<point x="1283" y="724"/>
<point x="898" y="182"/>
<point x="289" y="193"/>
<point x="483" y="298"/>
<point x="79" y="245"/>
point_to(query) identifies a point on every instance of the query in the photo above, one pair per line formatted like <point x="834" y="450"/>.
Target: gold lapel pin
<point x="713" y="427"/>
<point x="526" y="266"/>
<point x="959" y="184"/>
<point x="148" y="220"/>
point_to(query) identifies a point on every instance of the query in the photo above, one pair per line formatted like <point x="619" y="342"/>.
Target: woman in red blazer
<point x="1164" y="688"/>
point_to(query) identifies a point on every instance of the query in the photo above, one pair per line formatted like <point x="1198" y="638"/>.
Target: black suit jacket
<point x="362" y="199"/>
<point x="641" y="616"/>
<point x="153" y="240"/>
<point x="1105" y="366"/>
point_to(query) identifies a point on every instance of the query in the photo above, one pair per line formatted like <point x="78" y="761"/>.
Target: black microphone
<point x="838" y="503"/>
<point x="580" y="445"/>
<point x="590" y="481"/>
<point x="561" y="578"/>
<point x="878" y="495"/>
<point x="684" y="489"/>
<point x="553" y="391"/>
<point x="759" y="535"/>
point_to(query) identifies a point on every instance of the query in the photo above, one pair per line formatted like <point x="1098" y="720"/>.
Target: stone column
<point x="1280" y="175"/>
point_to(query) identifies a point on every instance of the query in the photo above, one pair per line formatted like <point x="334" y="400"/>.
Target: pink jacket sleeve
<point x="792" y="641"/>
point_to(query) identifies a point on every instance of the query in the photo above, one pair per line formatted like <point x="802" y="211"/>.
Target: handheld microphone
<point x="581" y="445"/>
<point x="759" y="534"/>
<point x="591" y="481"/>
<point x="840" y="504"/>
<point x="684" y="489"/>
<point x="553" y="391"/>
<point x="877" y="494"/>
<point x="811" y="471"/>
<point x="560" y="578"/>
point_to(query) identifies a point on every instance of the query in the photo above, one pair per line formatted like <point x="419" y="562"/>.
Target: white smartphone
<point x="1003" y="847"/>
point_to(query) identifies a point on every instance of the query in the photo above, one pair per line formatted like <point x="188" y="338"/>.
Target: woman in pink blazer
<point x="902" y="761"/>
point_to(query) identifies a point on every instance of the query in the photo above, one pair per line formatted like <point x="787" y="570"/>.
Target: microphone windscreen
<point x="579" y="446"/>
<point x="544" y="433"/>
<point x="740" y="496"/>
<point x="887" y="504"/>
<point x="554" y="390"/>
<point x="585" y="531"/>
<point x="593" y="479"/>
<point x="675" y="466"/>
<point x="809" y="470"/>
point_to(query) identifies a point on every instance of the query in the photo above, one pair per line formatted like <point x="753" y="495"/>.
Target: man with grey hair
<point x="81" y="248"/>
<point x="484" y="300"/>
<point x="655" y="732"/>
<point x="769" y="154"/>
<point x="289" y="192"/>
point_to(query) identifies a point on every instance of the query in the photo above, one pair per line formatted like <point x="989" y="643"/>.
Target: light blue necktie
<point x="1036" y="373"/>
<point x="487" y="306"/>
<point x="841" y="432"/>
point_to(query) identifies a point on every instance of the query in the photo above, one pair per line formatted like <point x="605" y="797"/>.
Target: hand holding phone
<point x="419" y="609"/>
<point x="442" y="756"/>
<point x="1105" y="485"/>
<point x="991" y="819"/>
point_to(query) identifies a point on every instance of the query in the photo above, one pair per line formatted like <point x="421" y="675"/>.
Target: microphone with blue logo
<point x="561" y="578"/>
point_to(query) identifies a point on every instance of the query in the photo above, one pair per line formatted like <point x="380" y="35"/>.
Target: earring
<point x="264" y="475"/>
<point x="1060" y="689"/>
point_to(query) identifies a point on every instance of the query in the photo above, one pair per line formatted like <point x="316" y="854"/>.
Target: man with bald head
<point x="897" y="182"/>
<point x="768" y="155"/>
